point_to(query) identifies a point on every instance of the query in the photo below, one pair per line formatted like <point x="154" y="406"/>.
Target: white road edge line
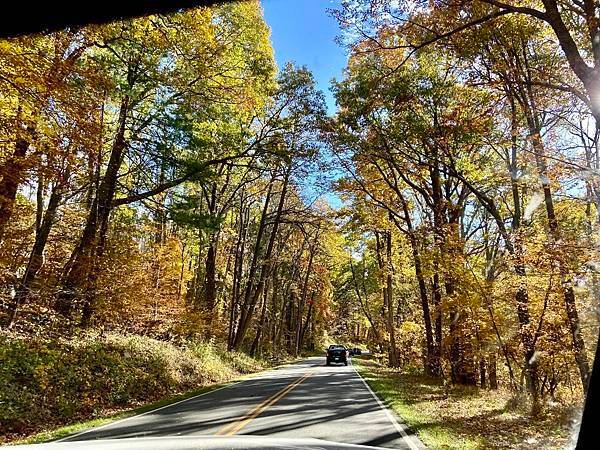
<point x="390" y="416"/>
<point x="89" y="430"/>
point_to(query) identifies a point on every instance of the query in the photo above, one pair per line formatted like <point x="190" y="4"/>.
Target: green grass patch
<point x="67" y="430"/>
<point x="467" y="418"/>
<point x="49" y="389"/>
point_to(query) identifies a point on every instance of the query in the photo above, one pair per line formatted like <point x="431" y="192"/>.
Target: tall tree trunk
<point x="491" y="369"/>
<point x="210" y="274"/>
<point x="78" y="284"/>
<point x="39" y="201"/>
<point x="238" y="268"/>
<point x="436" y="296"/>
<point x="385" y="265"/>
<point x="275" y="308"/>
<point x="482" y="372"/>
<point x="210" y="282"/>
<point x="248" y="310"/>
<point x="535" y="127"/>
<point x="432" y="361"/>
<point x="389" y="301"/>
<point x="303" y="298"/>
<point x="289" y="306"/>
<point x="515" y="248"/>
<point x="364" y="307"/>
<point x="461" y="363"/>
<point x="304" y="328"/>
<point x="13" y="172"/>
<point x="36" y="257"/>
<point x="242" y="324"/>
<point x="259" y="329"/>
<point x="522" y="300"/>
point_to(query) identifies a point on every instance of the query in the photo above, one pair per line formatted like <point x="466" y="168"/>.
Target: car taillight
<point x="328" y="353"/>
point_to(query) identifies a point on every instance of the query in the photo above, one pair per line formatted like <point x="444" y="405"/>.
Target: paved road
<point x="303" y="400"/>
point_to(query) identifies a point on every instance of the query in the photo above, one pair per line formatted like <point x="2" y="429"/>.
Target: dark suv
<point x="337" y="354"/>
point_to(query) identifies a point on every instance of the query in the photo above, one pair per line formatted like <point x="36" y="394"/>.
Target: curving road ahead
<point x="302" y="400"/>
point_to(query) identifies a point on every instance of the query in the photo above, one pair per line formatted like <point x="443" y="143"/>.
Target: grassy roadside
<point x="448" y="417"/>
<point x="58" y="433"/>
<point x="110" y="417"/>
<point x="51" y="389"/>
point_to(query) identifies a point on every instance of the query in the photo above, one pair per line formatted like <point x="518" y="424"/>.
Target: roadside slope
<point x="48" y="384"/>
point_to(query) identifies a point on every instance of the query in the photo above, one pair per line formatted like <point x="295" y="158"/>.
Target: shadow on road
<point x="332" y="404"/>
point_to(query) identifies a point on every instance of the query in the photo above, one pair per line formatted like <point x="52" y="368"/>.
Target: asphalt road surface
<point x="302" y="400"/>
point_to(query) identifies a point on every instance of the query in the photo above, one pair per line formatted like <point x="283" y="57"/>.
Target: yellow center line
<point x="240" y="423"/>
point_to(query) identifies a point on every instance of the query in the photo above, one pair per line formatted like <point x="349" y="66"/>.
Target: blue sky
<point x="303" y="32"/>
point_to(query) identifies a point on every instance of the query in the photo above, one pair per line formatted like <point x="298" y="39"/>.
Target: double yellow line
<point x="240" y="423"/>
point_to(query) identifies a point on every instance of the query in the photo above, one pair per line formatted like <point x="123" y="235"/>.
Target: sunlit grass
<point x="53" y="389"/>
<point x="243" y="363"/>
<point x="451" y="417"/>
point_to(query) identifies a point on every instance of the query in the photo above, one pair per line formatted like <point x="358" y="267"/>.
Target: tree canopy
<point x="155" y="177"/>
